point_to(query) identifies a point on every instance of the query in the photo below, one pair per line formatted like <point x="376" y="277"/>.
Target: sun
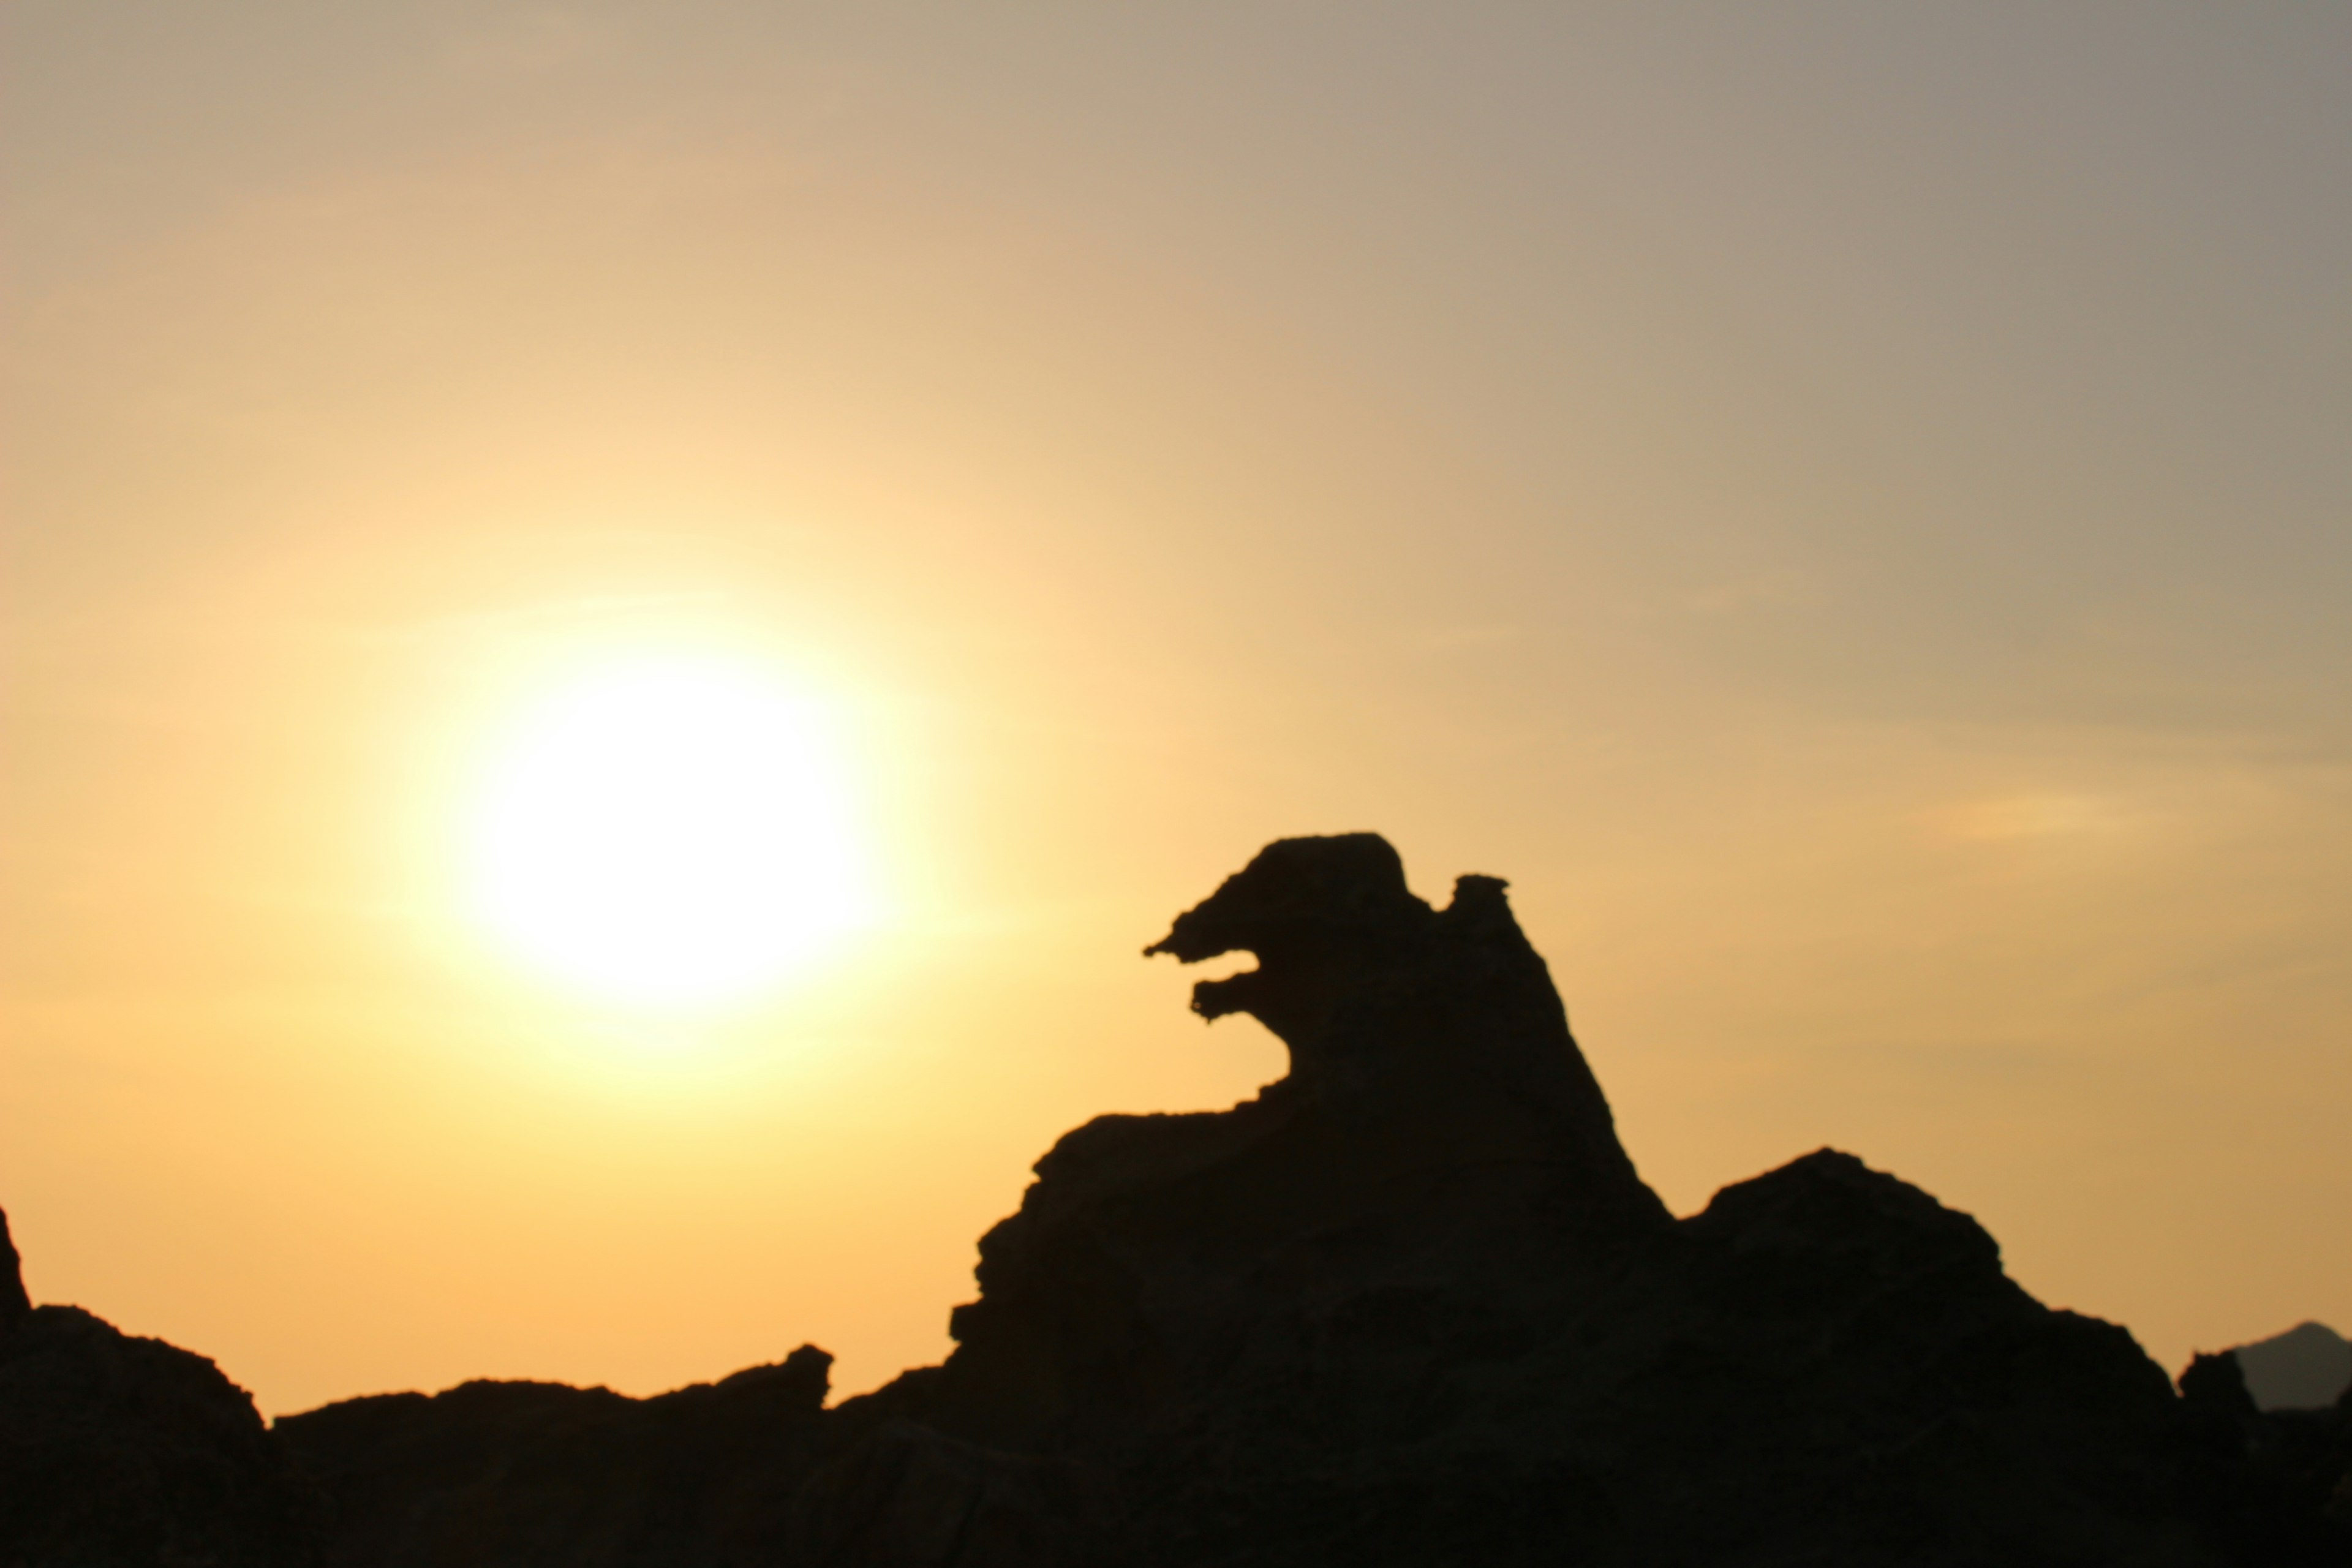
<point x="668" y="832"/>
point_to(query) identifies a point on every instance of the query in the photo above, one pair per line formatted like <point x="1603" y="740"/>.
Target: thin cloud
<point x="2040" y="815"/>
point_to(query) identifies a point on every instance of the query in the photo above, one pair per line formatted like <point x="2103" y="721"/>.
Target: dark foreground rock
<point x="1410" y="1305"/>
<point x="2265" y="1473"/>
<point x="495" y="1473"/>
<point x="118" y="1452"/>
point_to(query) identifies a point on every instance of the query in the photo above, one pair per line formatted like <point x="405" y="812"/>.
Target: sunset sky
<point x="1848" y="507"/>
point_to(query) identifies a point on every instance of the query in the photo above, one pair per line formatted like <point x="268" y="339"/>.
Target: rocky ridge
<point x="117" y="1451"/>
<point x="1412" y="1304"/>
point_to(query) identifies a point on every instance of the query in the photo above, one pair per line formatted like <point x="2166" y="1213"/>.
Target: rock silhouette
<point x="497" y="1473"/>
<point x="1412" y="1304"/>
<point x="1439" y="1139"/>
<point x="16" y="1305"/>
<point x="117" y="1451"/>
<point x="2266" y="1480"/>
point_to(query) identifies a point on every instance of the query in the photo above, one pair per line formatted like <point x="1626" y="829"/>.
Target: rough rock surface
<point x="1410" y="1305"/>
<point x="118" y="1452"/>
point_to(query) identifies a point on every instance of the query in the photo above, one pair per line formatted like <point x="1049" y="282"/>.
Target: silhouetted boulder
<point x="1438" y="1133"/>
<point x="2215" y="1385"/>
<point x="1439" y="1035"/>
<point x="117" y="1451"/>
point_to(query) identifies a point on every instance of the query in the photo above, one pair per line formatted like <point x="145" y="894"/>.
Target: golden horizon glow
<point x="667" y="832"/>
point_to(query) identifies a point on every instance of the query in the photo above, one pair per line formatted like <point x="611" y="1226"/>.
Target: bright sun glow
<point x="669" y="833"/>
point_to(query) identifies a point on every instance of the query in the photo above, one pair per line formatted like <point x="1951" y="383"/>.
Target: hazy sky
<point x="1848" y="507"/>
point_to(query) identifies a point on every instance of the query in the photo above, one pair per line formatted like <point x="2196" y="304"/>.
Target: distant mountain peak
<point x="2307" y="1368"/>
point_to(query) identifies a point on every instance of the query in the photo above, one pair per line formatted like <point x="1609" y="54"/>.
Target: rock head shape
<point x="1438" y="1126"/>
<point x="1443" y="1025"/>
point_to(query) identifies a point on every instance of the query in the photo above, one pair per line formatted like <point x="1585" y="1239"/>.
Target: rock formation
<point x="15" y="1304"/>
<point x="1438" y="1138"/>
<point x="2271" y="1482"/>
<point x="1410" y="1305"/>
<point x="502" y="1473"/>
<point x="1414" y="1305"/>
<point x="118" y="1452"/>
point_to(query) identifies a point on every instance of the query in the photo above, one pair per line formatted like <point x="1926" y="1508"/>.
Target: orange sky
<point x="1844" y="506"/>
